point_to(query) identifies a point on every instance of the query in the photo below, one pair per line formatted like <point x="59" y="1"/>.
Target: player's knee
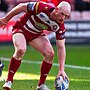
<point x="20" y="52"/>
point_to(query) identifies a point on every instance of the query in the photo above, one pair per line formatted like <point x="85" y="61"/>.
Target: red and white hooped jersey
<point x="38" y="19"/>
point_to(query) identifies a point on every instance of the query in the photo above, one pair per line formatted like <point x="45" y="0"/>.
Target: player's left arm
<point x="61" y="50"/>
<point x="61" y="57"/>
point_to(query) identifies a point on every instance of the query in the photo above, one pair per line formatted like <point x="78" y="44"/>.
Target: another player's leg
<point x="43" y="45"/>
<point x="1" y="67"/>
<point x="20" y="48"/>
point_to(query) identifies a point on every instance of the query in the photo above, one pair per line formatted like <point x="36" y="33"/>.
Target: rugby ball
<point x="61" y="84"/>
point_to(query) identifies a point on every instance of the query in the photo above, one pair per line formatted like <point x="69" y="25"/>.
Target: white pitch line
<point x="54" y="64"/>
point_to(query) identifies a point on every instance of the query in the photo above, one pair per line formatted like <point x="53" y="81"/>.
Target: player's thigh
<point x="19" y="41"/>
<point x="42" y="44"/>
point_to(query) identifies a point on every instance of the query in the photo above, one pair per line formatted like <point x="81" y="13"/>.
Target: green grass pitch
<point x="28" y="74"/>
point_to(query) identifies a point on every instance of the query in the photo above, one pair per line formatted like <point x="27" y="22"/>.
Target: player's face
<point x="60" y="15"/>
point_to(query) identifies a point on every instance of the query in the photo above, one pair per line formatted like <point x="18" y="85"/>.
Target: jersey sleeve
<point x="60" y="34"/>
<point x="31" y="6"/>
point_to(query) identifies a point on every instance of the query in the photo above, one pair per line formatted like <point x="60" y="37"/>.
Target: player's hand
<point x="63" y="74"/>
<point x="3" y="22"/>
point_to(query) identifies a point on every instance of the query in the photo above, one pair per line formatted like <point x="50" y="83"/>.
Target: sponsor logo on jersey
<point x="38" y="24"/>
<point x="42" y="16"/>
<point x="54" y="27"/>
<point x="41" y="26"/>
<point x="45" y="18"/>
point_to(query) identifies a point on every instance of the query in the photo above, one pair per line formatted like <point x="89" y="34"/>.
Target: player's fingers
<point x="64" y="75"/>
<point x="2" y="22"/>
<point x="67" y="78"/>
<point x="3" y="26"/>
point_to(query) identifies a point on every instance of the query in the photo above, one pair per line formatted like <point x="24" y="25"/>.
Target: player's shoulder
<point x="46" y="5"/>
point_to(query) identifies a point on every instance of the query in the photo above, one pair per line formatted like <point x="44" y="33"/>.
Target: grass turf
<point x="28" y="74"/>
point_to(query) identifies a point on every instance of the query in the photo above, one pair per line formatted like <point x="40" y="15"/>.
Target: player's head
<point x="64" y="7"/>
<point x="62" y="11"/>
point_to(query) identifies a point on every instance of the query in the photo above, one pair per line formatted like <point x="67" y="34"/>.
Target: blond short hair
<point x="65" y="6"/>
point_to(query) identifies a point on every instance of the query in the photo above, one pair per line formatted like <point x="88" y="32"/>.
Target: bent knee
<point x="21" y="51"/>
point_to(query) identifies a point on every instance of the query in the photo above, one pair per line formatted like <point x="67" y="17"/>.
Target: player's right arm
<point x="22" y="7"/>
